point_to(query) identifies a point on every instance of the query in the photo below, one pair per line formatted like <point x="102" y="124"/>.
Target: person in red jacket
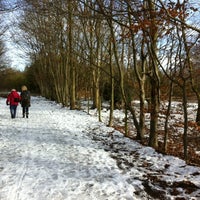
<point x="13" y="100"/>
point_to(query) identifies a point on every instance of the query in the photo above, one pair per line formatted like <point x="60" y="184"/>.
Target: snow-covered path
<point x="60" y="154"/>
<point x="49" y="157"/>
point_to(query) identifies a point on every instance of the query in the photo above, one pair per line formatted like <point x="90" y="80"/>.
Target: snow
<point x="62" y="154"/>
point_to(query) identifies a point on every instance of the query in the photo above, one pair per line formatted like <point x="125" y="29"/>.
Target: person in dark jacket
<point x="25" y="101"/>
<point x="13" y="100"/>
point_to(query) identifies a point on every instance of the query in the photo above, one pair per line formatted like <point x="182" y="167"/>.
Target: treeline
<point x="10" y="77"/>
<point x="118" y="50"/>
<point x="13" y="78"/>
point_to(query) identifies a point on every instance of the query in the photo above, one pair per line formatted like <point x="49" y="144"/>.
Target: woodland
<point x="117" y="51"/>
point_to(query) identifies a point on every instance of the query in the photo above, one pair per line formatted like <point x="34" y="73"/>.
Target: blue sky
<point x="15" y="55"/>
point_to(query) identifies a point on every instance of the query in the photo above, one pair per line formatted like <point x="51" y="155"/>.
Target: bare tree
<point x="3" y="29"/>
<point x="182" y="73"/>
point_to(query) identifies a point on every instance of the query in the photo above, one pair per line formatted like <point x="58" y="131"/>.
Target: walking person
<point x="25" y="101"/>
<point x="13" y="100"/>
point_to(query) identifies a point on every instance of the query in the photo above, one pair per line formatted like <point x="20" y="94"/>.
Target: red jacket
<point x="13" y="98"/>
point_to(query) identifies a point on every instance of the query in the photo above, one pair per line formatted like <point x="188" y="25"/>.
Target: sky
<point x="16" y="56"/>
<point x="62" y="154"/>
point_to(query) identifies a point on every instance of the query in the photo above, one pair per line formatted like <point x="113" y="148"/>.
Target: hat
<point x="13" y="90"/>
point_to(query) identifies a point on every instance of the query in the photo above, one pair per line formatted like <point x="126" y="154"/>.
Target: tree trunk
<point x="155" y="107"/>
<point x="154" y="75"/>
<point x="71" y="57"/>
<point x="167" y="116"/>
<point x="112" y="82"/>
<point x="198" y="111"/>
<point x="185" y="139"/>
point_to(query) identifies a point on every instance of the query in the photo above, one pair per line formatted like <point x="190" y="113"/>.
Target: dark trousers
<point x="13" y="110"/>
<point x="25" y="111"/>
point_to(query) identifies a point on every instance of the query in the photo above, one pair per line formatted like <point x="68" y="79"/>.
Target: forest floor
<point x="175" y="144"/>
<point x="175" y="147"/>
